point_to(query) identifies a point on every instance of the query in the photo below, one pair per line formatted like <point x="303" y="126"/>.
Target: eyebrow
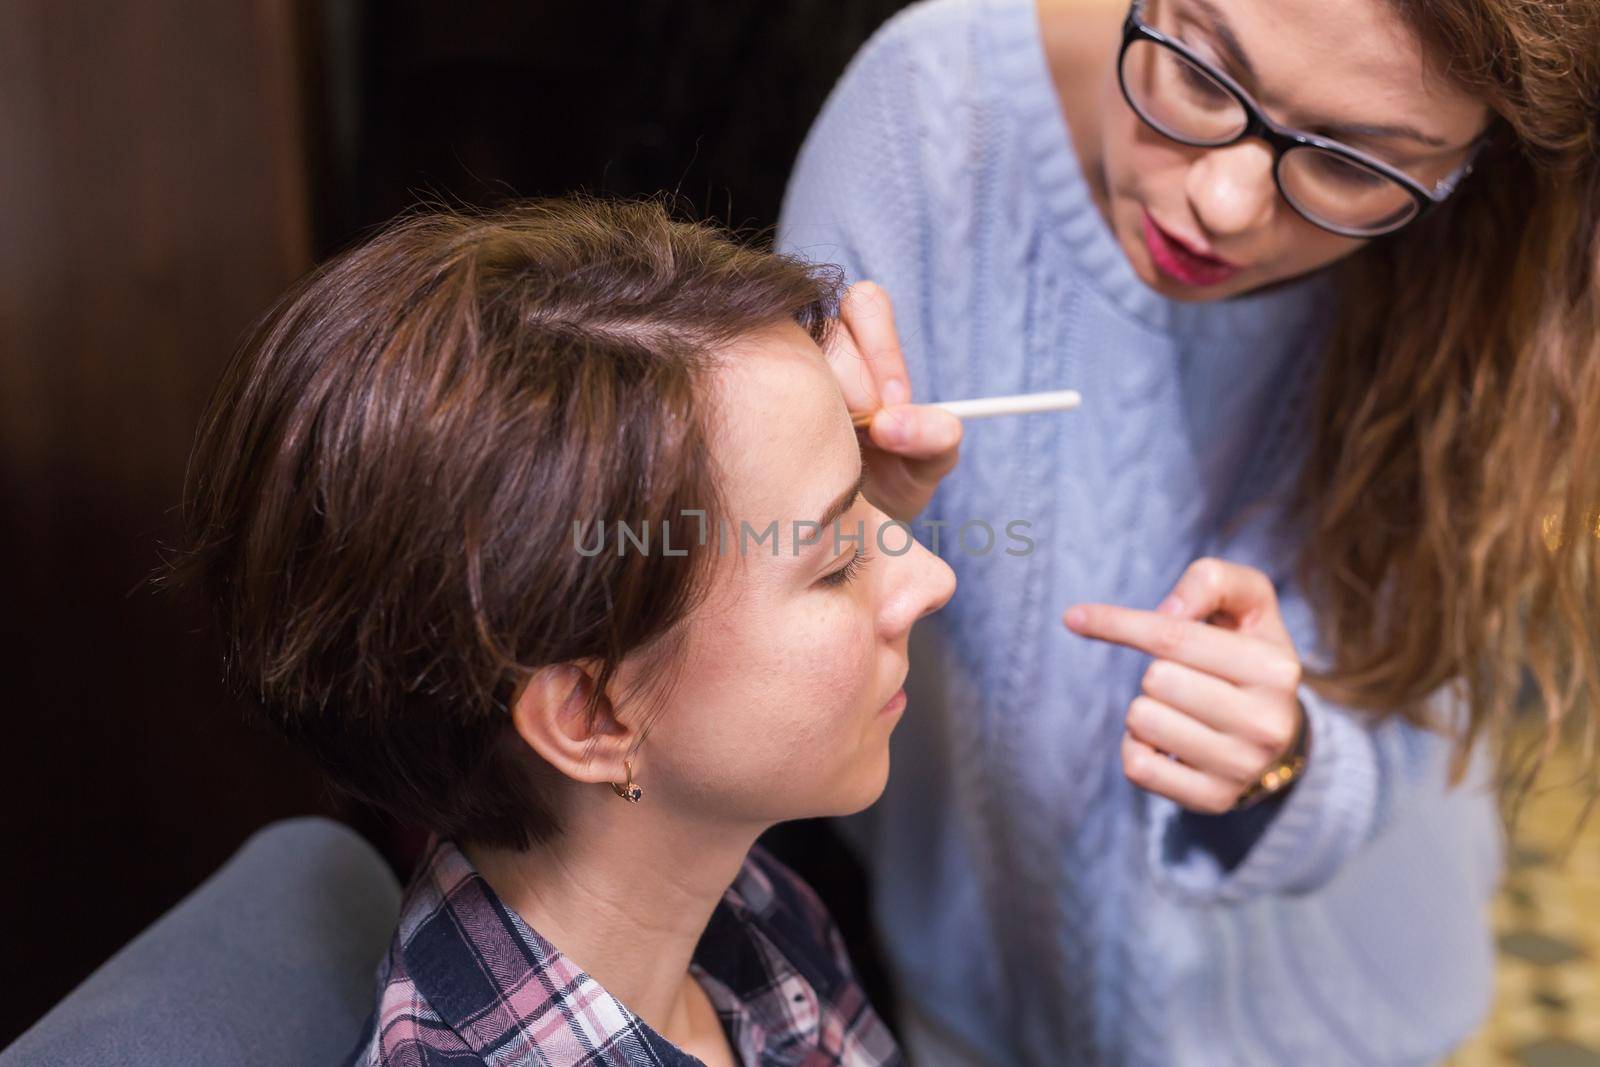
<point x="1230" y="44"/>
<point x="846" y="500"/>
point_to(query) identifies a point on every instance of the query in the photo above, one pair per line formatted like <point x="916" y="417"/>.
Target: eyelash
<point x="848" y="572"/>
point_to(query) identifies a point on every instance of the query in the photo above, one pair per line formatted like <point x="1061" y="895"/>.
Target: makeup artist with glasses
<point x="1207" y="777"/>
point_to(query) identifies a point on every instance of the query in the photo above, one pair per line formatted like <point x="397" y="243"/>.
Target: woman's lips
<point x="1175" y="261"/>
<point x="896" y="703"/>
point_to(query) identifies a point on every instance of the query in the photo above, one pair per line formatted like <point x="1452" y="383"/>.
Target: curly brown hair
<point x="1450" y="497"/>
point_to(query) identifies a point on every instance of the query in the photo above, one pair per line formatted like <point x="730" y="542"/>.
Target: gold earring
<point x="629" y="792"/>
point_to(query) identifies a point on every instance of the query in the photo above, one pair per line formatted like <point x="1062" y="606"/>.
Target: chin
<point x="874" y="786"/>
<point x="863" y="788"/>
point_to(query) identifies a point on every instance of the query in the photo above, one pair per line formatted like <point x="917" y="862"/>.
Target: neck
<point x="624" y="892"/>
<point x="1080" y="42"/>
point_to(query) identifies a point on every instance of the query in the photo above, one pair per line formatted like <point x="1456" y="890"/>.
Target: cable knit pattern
<point x="1029" y="897"/>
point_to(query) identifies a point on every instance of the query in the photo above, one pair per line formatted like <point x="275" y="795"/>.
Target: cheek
<point x="808" y="674"/>
<point x="1312" y="247"/>
<point x="771" y="703"/>
<point x="1139" y="172"/>
<point x="832" y="647"/>
<point x="1136" y="158"/>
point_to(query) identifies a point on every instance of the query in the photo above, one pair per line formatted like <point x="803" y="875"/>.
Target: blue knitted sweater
<point x="1028" y="896"/>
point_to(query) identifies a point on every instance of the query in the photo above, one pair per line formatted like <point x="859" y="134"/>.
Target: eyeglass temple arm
<point x="1447" y="185"/>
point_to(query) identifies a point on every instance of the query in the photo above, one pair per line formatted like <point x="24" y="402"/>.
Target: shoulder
<point x="924" y="29"/>
<point x="404" y="1029"/>
<point x="934" y="58"/>
<point x="921" y="107"/>
<point x="944" y="50"/>
<point x="429" y="951"/>
<point x="948" y="88"/>
<point x="931" y="31"/>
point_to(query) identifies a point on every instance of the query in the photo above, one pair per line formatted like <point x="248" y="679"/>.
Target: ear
<point x="550" y="713"/>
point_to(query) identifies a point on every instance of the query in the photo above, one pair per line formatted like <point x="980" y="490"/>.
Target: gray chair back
<point x="271" y="961"/>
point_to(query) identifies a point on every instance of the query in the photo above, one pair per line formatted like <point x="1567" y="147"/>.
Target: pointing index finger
<point x="1237" y="657"/>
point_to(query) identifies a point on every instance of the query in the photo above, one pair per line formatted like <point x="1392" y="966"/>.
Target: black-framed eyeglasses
<point x="1331" y="185"/>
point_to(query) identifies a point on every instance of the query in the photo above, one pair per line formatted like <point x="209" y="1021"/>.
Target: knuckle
<point x="1210" y="573"/>
<point x="1244" y="767"/>
<point x="1155" y="678"/>
<point x="1261" y="585"/>
<point x="875" y="302"/>
<point x="863" y="291"/>
<point x="1135" y="762"/>
<point x="1241" y="777"/>
<point x="1141" y="714"/>
<point x="1271" y="734"/>
<point x="1290" y="673"/>
<point x="1282" y="735"/>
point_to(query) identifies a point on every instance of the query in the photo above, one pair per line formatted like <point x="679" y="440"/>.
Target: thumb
<point x="916" y="431"/>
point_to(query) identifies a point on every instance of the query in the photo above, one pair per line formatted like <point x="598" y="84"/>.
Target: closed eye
<point x="847" y="573"/>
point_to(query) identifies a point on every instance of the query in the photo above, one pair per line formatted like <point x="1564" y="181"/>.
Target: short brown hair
<point x="382" y="496"/>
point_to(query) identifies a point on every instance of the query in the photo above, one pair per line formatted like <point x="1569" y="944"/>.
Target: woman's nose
<point x="1231" y="189"/>
<point x="921" y="584"/>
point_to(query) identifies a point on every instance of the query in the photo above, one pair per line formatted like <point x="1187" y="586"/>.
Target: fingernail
<point x="1076" y="617"/>
<point x="1170" y="606"/>
<point x="894" y="391"/>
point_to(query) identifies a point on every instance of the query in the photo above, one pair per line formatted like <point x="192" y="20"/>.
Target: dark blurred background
<point x="167" y="168"/>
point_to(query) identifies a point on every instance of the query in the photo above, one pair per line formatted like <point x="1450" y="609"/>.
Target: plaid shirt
<point x="467" y="981"/>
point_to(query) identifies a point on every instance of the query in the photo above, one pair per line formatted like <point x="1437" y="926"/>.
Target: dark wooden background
<point x="167" y="168"/>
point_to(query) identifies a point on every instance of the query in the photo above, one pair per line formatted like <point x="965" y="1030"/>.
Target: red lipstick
<point x="1177" y="261"/>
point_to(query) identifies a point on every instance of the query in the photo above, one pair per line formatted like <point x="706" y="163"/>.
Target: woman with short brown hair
<point x="473" y="506"/>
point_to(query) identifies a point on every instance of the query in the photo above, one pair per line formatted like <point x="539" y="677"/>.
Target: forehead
<point x="1355" y="61"/>
<point x="783" y="442"/>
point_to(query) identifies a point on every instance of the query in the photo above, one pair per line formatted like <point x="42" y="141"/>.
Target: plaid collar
<point x="466" y="973"/>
